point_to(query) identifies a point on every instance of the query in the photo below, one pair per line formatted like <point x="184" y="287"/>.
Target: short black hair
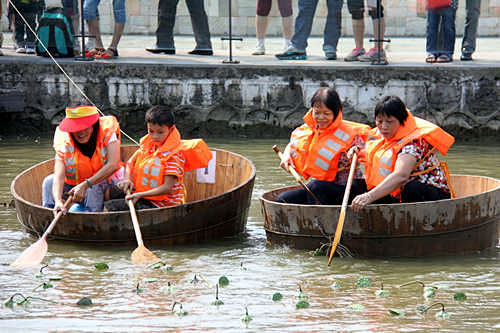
<point x="392" y="106"/>
<point x="329" y="98"/>
<point x="160" y="115"/>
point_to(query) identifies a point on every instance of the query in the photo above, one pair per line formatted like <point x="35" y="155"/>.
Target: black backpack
<point x="55" y="33"/>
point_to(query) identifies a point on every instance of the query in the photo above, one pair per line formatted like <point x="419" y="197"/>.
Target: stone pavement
<point x="405" y="52"/>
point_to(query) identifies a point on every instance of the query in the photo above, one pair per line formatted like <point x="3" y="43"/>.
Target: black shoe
<point x="160" y="50"/>
<point x="202" y="52"/>
<point x="291" y="56"/>
<point x="331" y="56"/>
<point x="466" y="57"/>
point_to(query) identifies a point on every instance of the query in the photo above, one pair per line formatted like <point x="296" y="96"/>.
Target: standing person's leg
<point x="286" y="12"/>
<point x="472" y="11"/>
<point x="165" y="30"/>
<point x="432" y="35"/>
<point x="120" y="16"/>
<point x="90" y="14"/>
<point x="449" y="34"/>
<point x="201" y="30"/>
<point x="356" y="9"/>
<point x="378" y="34"/>
<point x="261" y="21"/>
<point x="19" y="30"/>
<point x="302" y="30"/>
<point x="332" y="28"/>
<point x="30" y="36"/>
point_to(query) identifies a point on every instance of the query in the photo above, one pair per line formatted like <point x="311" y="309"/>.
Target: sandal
<point x="431" y="58"/>
<point x="95" y="51"/>
<point x="108" y="54"/>
<point x="443" y="58"/>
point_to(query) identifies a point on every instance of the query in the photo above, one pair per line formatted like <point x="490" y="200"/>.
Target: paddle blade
<point x="141" y="255"/>
<point x="33" y="255"/>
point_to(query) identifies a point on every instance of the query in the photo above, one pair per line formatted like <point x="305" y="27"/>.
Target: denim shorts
<point x="90" y="11"/>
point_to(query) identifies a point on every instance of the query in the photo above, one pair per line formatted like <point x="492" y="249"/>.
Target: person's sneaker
<point x="331" y="56"/>
<point x="201" y="52"/>
<point x="466" y="57"/>
<point x="259" y="50"/>
<point x="291" y="55"/>
<point x="373" y="55"/>
<point x="1" y="53"/>
<point x="21" y="49"/>
<point x="355" y="54"/>
<point x="30" y="50"/>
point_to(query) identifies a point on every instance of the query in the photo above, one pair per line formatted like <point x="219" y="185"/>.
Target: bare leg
<point x="287" y="23"/>
<point x="358" y="30"/>
<point x="261" y="24"/>
<point x="117" y="34"/>
<point x="95" y="31"/>
<point x="377" y="34"/>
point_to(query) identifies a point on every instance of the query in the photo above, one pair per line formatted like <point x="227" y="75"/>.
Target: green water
<point x="117" y="308"/>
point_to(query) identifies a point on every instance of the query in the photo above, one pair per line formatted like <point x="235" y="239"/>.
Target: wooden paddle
<point x="34" y="254"/>
<point x="141" y="254"/>
<point x="297" y="177"/>
<point x="340" y="223"/>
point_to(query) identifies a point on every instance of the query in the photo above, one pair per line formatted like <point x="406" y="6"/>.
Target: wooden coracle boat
<point x="212" y="210"/>
<point x="465" y="224"/>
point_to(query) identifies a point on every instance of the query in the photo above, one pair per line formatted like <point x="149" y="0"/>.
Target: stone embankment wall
<point x="221" y="100"/>
<point x="402" y="18"/>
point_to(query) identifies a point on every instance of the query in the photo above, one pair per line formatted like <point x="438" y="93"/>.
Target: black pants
<point x="416" y="191"/>
<point x="328" y="193"/>
<point x="117" y="201"/>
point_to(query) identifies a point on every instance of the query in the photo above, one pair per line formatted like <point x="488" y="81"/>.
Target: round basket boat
<point x="217" y="203"/>
<point x="466" y="224"/>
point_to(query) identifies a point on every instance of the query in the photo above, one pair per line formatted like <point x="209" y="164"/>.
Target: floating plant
<point x="381" y="291"/>
<point x="55" y="278"/>
<point x="246" y="318"/>
<point x="101" y="266"/>
<point x="84" y="301"/>
<point x="156" y="265"/>
<point x="24" y="300"/>
<point x="441" y="314"/>
<point x="277" y="297"/>
<point x="181" y="312"/>
<point x="167" y="268"/>
<point x="138" y="289"/>
<point x="363" y="282"/>
<point x="217" y="300"/>
<point x="428" y="291"/>
<point x="243" y="268"/>
<point x="396" y="312"/>
<point x="223" y="281"/>
<point x="459" y="297"/>
<point x="302" y="304"/>
<point x="301" y="295"/>
<point x="150" y="280"/>
<point x="357" y="307"/>
<point x="44" y="285"/>
<point x="335" y="285"/>
<point x="40" y="274"/>
<point x="195" y="279"/>
<point x="168" y="288"/>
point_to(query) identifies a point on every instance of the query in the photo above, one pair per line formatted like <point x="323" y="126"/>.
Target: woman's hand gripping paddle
<point x="297" y="176"/>
<point x="340" y="223"/>
<point x="34" y="254"/>
<point x="141" y="254"/>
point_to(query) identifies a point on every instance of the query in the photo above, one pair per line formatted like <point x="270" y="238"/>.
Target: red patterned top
<point x="344" y="162"/>
<point x="436" y="177"/>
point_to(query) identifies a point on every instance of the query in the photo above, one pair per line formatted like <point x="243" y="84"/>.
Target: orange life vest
<point x="381" y="154"/>
<point x="149" y="168"/>
<point x="79" y="167"/>
<point x="315" y="153"/>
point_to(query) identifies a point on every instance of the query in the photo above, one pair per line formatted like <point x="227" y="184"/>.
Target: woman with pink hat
<point x="87" y="160"/>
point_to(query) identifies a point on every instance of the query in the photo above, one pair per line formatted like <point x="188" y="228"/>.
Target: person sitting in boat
<point x="318" y="149"/>
<point x="87" y="160"/>
<point x="155" y="171"/>
<point x="400" y="164"/>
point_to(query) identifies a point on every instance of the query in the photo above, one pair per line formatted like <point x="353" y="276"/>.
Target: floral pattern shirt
<point x="344" y="162"/>
<point x="436" y="177"/>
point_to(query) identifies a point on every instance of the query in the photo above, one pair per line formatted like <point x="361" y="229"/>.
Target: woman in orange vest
<point x="400" y="162"/>
<point x="155" y="172"/>
<point x="318" y="149"/>
<point x="87" y="156"/>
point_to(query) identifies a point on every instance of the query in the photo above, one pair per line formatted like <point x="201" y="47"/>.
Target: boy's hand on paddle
<point x="59" y="206"/>
<point x="125" y="185"/>
<point x="351" y="151"/>
<point x="286" y="161"/>
<point x="360" y="201"/>
<point x="78" y="192"/>
<point x="134" y="197"/>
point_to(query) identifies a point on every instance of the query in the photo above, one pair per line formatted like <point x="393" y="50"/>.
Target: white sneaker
<point x="21" y="50"/>
<point x="30" y="50"/>
<point x="259" y="50"/>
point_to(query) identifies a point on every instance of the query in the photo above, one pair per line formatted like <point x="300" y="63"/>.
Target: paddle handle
<point x="52" y="224"/>
<point x="345" y="200"/>
<point x="135" y="221"/>
<point x="296" y="175"/>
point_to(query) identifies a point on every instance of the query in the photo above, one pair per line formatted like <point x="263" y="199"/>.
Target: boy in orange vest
<point x="155" y="172"/>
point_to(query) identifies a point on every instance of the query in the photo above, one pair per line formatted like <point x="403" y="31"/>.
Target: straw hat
<point x="79" y="118"/>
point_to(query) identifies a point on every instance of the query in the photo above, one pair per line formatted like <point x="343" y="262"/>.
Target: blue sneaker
<point x="291" y="55"/>
<point x="78" y="208"/>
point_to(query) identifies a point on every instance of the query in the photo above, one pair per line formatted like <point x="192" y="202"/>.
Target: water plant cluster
<point x="301" y="299"/>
